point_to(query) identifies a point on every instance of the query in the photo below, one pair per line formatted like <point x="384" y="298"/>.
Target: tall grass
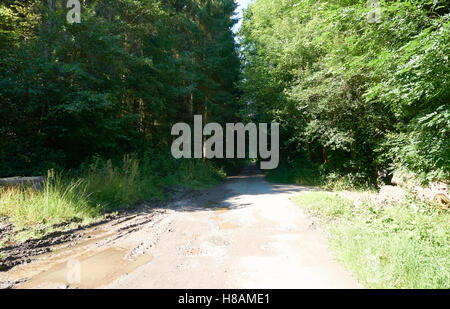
<point x="394" y="246"/>
<point x="102" y="186"/>
<point x="112" y="187"/>
<point x="195" y="175"/>
<point x="59" y="200"/>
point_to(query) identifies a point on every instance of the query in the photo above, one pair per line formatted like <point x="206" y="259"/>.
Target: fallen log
<point x="32" y="182"/>
<point x="442" y="201"/>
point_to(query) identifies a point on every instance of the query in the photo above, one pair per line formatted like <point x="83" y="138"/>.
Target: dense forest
<point x="359" y="90"/>
<point x="356" y="97"/>
<point x="113" y="84"/>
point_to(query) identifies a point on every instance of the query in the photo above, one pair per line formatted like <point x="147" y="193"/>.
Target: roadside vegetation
<point x="303" y="172"/>
<point x="357" y="101"/>
<point x="102" y="187"/>
<point x="74" y="95"/>
<point x="113" y="84"/>
<point x="386" y="246"/>
<point x="354" y="97"/>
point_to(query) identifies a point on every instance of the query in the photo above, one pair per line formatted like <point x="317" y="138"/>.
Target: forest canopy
<point x="354" y="96"/>
<point x="357" y="92"/>
<point x="114" y="83"/>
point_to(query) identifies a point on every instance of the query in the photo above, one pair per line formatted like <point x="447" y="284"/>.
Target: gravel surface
<point x="245" y="233"/>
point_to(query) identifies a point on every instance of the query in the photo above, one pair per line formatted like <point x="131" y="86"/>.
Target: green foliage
<point x="395" y="246"/>
<point x="119" y="185"/>
<point x="304" y="172"/>
<point x="113" y="84"/>
<point x="100" y="187"/>
<point x="350" y="95"/>
<point x="299" y="172"/>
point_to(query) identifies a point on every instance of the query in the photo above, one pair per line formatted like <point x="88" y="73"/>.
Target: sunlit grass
<point x="99" y="188"/>
<point x="58" y="201"/>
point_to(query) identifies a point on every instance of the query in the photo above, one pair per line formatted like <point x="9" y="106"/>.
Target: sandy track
<point x="243" y="234"/>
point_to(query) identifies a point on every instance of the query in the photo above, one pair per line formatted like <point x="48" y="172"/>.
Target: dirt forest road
<point x="245" y="233"/>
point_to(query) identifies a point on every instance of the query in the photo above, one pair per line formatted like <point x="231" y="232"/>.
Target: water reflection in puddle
<point x="93" y="270"/>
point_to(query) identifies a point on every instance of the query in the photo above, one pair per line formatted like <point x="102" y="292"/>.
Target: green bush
<point x="301" y="172"/>
<point x="349" y="94"/>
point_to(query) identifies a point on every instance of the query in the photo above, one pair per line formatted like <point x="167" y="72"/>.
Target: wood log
<point x="442" y="201"/>
<point x="33" y="182"/>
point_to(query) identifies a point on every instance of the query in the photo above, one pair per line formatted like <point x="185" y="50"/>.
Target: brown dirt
<point x="243" y="234"/>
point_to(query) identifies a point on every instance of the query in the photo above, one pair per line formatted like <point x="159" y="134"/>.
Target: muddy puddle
<point x="88" y="271"/>
<point x="217" y="217"/>
<point x="220" y="211"/>
<point x="228" y="226"/>
<point x="75" y="265"/>
<point x="194" y="251"/>
<point x="91" y="238"/>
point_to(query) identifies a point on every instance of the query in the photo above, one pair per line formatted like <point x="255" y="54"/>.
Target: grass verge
<point x="394" y="246"/>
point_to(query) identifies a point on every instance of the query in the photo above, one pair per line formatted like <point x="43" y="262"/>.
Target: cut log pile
<point x="31" y="182"/>
<point x="436" y="192"/>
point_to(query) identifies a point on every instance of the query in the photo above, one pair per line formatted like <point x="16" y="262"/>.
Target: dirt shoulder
<point x="70" y="233"/>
